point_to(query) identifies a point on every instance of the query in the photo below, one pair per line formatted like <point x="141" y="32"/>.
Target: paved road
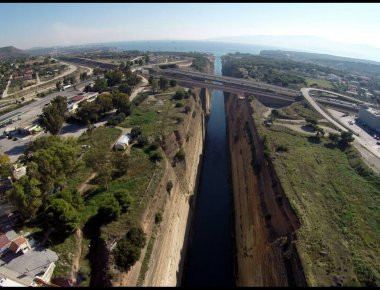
<point x="358" y="139"/>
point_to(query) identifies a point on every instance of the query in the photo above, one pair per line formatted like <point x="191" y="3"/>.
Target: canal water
<point x="209" y="258"/>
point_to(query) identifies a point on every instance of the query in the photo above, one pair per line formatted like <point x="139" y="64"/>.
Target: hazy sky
<point x="43" y="24"/>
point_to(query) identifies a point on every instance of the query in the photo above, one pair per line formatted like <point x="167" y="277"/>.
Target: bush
<point x="155" y="156"/>
<point x="282" y="148"/>
<point x="180" y="156"/>
<point x="173" y="83"/>
<point x="179" y="105"/>
<point x="158" y="218"/>
<point x="153" y="146"/>
<point x="117" y="119"/>
<point x="124" y="199"/>
<point x="194" y="114"/>
<point x="187" y="109"/>
<point x="169" y="186"/>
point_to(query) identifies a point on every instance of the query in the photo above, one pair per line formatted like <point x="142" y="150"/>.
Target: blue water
<point x="209" y="260"/>
<point x="217" y="48"/>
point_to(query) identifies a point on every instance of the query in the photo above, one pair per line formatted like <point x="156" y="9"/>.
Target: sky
<point x="47" y="24"/>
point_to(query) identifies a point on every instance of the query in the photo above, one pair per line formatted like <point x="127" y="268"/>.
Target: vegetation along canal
<point x="209" y="260"/>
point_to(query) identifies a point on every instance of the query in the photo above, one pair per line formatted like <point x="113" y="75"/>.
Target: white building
<point x="123" y="142"/>
<point x="370" y="117"/>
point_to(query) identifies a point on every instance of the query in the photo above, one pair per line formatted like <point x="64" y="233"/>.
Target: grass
<point x="65" y="253"/>
<point x="337" y="199"/>
<point x="324" y="84"/>
<point x="145" y="263"/>
<point x="155" y="117"/>
<point x="299" y="109"/>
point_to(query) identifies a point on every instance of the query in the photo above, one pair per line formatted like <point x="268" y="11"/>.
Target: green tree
<point x="125" y="88"/>
<point x="126" y="254"/>
<point x="135" y="132"/>
<point x="121" y="103"/>
<point x="124" y="199"/>
<point x="58" y="85"/>
<point x="100" y="85"/>
<point x="173" y="83"/>
<point x="73" y="197"/>
<point x="113" y="77"/>
<point x="104" y="101"/>
<point x="110" y="209"/>
<point x="120" y="163"/>
<point x="137" y="237"/>
<point x="52" y="118"/>
<point x="88" y="112"/>
<point x="346" y="138"/>
<point x="26" y="197"/>
<point x="334" y="138"/>
<point x="62" y="216"/>
<point x="83" y="76"/>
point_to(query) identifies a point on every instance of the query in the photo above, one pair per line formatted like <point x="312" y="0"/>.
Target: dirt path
<point x="85" y="185"/>
<point x="76" y="260"/>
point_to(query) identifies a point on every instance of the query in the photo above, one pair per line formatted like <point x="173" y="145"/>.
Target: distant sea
<point x="214" y="47"/>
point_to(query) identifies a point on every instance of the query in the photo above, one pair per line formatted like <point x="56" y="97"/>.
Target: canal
<point x="209" y="258"/>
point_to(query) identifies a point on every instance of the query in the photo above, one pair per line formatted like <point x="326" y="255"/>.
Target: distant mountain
<point x="307" y="43"/>
<point x="11" y="52"/>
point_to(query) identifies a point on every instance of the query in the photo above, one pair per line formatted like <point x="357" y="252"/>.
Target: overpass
<point x="237" y="86"/>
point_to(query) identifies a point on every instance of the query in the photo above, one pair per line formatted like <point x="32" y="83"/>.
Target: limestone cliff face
<point x="165" y="268"/>
<point x="265" y="223"/>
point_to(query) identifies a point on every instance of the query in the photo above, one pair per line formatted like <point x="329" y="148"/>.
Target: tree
<point x="62" y="216"/>
<point x="52" y="118"/>
<point x="100" y="85"/>
<point x="110" y="209"/>
<point x="312" y="122"/>
<point x="126" y="254"/>
<point x="155" y="86"/>
<point x="83" y="76"/>
<point x="155" y="156"/>
<point x="137" y="237"/>
<point x="104" y="101"/>
<point x="173" y="83"/>
<point x="121" y="103"/>
<point x="334" y="138"/>
<point x="146" y="58"/>
<point x="187" y="109"/>
<point x="120" y="163"/>
<point x="58" y="85"/>
<point x="135" y="132"/>
<point x="73" y="197"/>
<point x="163" y="83"/>
<point x="26" y="196"/>
<point x="345" y="139"/>
<point x="142" y="141"/>
<point x="124" y="199"/>
<point x="5" y="166"/>
<point x="125" y="88"/>
<point x="320" y="131"/>
<point x="88" y="112"/>
<point x="113" y="77"/>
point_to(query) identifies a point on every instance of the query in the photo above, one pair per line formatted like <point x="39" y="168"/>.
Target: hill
<point x="11" y="52"/>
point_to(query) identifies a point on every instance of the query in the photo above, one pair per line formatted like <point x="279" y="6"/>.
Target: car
<point x="15" y="139"/>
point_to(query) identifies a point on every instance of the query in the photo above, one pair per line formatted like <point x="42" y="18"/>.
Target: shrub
<point x="142" y="141"/>
<point x="179" y="105"/>
<point x="158" y="218"/>
<point x="169" y="186"/>
<point x="155" y="156"/>
<point x="180" y="156"/>
<point x="135" y="132"/>
<point x="187" y="109"/>
<point x="282" y="148"/>
<point x="153" y="146"/>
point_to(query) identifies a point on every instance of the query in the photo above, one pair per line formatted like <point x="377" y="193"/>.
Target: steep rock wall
<point x="265" y="223"/>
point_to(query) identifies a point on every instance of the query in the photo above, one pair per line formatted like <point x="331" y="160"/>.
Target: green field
<point x="337" y="199"/>
<point x="324" y="84"/>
